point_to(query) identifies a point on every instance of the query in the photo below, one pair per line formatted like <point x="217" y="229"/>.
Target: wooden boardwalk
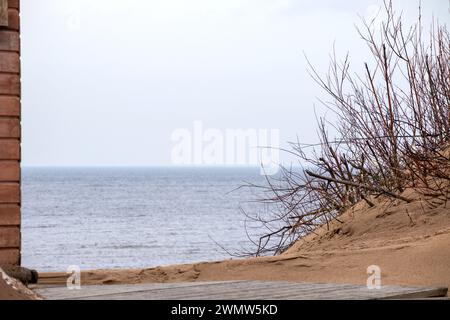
<point x="237" y="290"/>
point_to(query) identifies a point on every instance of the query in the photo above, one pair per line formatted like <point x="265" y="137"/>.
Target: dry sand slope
<point x="12" y="289"/>
<point x="409" y="242"/>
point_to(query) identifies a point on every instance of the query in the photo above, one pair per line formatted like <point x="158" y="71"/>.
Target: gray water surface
<point x="131" y="217"/>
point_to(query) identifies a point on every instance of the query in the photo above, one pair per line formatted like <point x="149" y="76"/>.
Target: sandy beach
<point x="409" y="242"/>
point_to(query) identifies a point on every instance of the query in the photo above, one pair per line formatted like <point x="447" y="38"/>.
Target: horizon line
<point x="144" y="166"/>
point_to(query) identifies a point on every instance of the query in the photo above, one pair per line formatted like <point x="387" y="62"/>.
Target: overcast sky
<point x="106" y="82"/>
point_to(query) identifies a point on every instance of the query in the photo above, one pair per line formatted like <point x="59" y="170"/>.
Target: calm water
<point x="124" y="218"/>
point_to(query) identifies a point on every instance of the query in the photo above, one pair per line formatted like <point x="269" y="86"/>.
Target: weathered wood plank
<point x="342" y="292"/>
<point x="9" y="149"/>
<point x="10" y="84"/>
<point x="247" y="290"/>
<point x="15" y="4"/>
<point x="3" y="13"/>
<point x="210" y="293"/>
<point x="13" y="20"/>
<point x="9" y="41"/>
<point x="419" y="294"/>
<point x="280" y="291"/>
<point x="9" y="192"/>
<point x="10" y="132"/>
<point x="99" y="290"/>
<point x="9" y="128"/>
<point x="9" y="215"/>
<point x="9" y="237"/>
<point x="9" y="62"/>
<point x="9" y="106"/>
<point x="9" y="171"/>
<point x="9" y="256"/>
<point x="251" y="290"/>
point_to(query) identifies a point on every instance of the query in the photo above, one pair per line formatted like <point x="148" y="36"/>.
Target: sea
<point x="97" y="218"/>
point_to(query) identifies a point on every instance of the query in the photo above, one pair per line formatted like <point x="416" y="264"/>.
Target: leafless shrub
<point x="393" y="132"/>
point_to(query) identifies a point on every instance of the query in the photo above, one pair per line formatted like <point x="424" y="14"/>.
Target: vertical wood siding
<point x="10" y="134"/>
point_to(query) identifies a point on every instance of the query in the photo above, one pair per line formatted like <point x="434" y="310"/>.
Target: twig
<point x="357" y="185"/>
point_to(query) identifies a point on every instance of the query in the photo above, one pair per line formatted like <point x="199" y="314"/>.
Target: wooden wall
<point x="10" y="134"/>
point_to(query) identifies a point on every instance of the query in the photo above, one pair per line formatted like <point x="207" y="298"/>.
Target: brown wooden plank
<point x="9" y="171"/>
<point x="3" y="13"/>
<point x="9" y="62"/>
<point x="9" y="256"/>
<point x="9" y="132"/>
<point x="15" y="4"/>
<point x="9" y="237"/>
<point x="10" y="84"/>
<point x="9" y="192"/>
<point x="13" y="19"/>
<point x="9" y="215"/>
<point x="9" y="106"/>
<point x="9" y="128"/>
<point x="9" y="41"/>
<point x="9" y="149"/>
